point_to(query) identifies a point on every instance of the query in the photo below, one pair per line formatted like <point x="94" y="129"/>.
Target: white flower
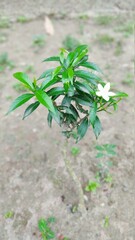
<point x="104" y="92"/>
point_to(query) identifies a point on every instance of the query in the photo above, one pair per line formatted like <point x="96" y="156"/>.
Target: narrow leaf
<point x="56" y="91"/>
<point x="45" y="100"/>
<point x="97" y="127"/>
<point x="46" y="73"/>
<point x="32" y="107"/>
<point x="90" y="77"/>
<point x="93" y="112"/>
<point x="82" y="128"/>
<point x="91" y="65"/>
<point x="20" y="101"/>
<point x="23" y="77"/>
<point x="52" y="59"/>
<point x="49" y="119"/>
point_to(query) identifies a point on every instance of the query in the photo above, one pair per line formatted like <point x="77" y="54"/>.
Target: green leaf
<point x="100" y="155"/>
<point x="49" y="81"/>
<point x="90" y="77"/>
<point x="42" y="224"/>
<point x="49" y="119"/>
<point x="45" y="100"/>
<point x="81" y="55"/>
<point x="91" y="65"/>
<point x="93" y="112"/>
<point x="30" y="109"/>
<point x="70" y="59"/>
<point x="86" y="100"/>
<point x="120" y="94"/>
<point x="56" y="91"/>
<point x="46" y="73"/>
<point x="73" y="109"/>
<point x="20" y="101"/>
<point x="56" y="71"/>
<point x="82" y="128"/>
<point x="79" y="49"/>
<point x="52" y="59"/>
<point x="97" y="127"/>
<point x="70" y="75"/>
<point x="66" y="101"/>
<point x="70" y="91"/>
<point x="83" y="87"/>
<point x="23" y="77"/>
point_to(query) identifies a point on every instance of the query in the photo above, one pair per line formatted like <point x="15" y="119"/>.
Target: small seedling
<point x="5" y="62"/>
<point x="19" y="87"/>
<point x="75" y="151"/>
<point x="92" y="186"/>
<point x="4" y="22"/>
<point x="104" y="20"/>
<point x="70" y="43"/>
<point x="22" y="19"/>
<point x="9" y="214"/>
<point x="104" y="39"/>
<point x="106" y="150"/>
<point x="44" y="228"/>
<point x="106" y="222"/>
<point x="128" y="79"/>
<point x="39" y="40"/>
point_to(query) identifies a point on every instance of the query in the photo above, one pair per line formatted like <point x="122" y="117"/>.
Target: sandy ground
<point x="33" y="178"/>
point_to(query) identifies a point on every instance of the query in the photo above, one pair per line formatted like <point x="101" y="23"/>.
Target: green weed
<point x="104" y="20"/>
<point x="92" y="186"/>
<point x="106" y="150"/>
<point x="4" y="22"/>
<point x="23" y="19"/>
<point x="70" y="43"/>
<point x="75" y="151"/>
<point x="9" y="214"/>
<point x="39" y="40"/>
<point x="106" y="221"/>
<point x="44" y="228"/>
<point x="104" y="39"/>
<point x="5" y="62"/>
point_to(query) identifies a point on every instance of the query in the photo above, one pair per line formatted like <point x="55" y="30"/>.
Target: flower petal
<point x="107" y="87"/>
<point x="106" y="97"/>
<point x="100" y="87"/>
<point x="99" y="94"/>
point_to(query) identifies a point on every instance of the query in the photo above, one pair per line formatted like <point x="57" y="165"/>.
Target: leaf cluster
<point x="45" y="229"/>
<point x="68" y="91"/>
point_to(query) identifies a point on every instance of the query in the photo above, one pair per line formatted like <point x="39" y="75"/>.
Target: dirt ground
<point x="33" y="179"/>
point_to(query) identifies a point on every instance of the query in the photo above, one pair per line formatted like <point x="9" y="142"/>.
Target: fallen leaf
<point x="49" y="26"/>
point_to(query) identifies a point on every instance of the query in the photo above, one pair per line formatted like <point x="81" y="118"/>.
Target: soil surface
<point x="33" y="181"/>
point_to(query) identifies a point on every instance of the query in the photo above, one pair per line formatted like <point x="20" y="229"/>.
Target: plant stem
<point x="81" y="205"/>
